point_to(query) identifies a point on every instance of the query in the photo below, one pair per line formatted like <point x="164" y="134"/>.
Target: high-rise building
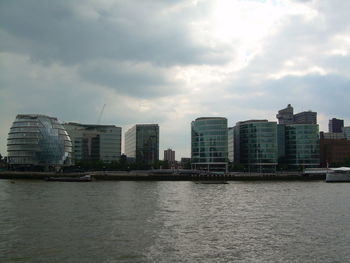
<point x="169" y="155"/>
<point x="286" y="116"/>
<point x="231" y="144"/>
<point x="335" y="125"/>
<point x="38" y="141"/>
<point x="301" y="149"/>
<point x="305" y="117"/>
<point x="256" y="144"/>
<point x="95" y="142"/>
<point x="142" y="143"/>
<point x="209" y="144"/>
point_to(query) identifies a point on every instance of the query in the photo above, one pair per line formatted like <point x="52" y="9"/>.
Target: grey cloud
<point x="138" y="81"/>
<point x="326" y="94"/>
<point x="132" y="30"/>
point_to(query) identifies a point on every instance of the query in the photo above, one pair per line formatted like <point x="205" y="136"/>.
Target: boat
<point x="211" y="182"/>
<point x="341" y="174"/>
<point x="85" y="178"/>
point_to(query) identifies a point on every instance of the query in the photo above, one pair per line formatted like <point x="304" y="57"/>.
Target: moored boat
<point x="341" y="174"/>
<point x="85" y="178"/>
<point x="211" y="182"/>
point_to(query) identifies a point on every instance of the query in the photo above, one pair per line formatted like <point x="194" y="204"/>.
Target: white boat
<point x="341" y="174"/>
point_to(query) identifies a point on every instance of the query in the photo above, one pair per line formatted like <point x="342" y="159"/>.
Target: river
<point x="112" y="221"/>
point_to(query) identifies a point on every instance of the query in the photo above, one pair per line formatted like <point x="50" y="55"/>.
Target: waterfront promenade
<point x="167" y="175"/>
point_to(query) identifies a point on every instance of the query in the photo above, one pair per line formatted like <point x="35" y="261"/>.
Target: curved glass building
<point x="302" y="145"/>
<point x="38" y="140"/>
<point x="209" y="144"/>
<point x="256" y="145"/>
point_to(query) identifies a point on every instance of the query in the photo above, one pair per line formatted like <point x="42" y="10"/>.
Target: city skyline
<point x="170" y="63"/>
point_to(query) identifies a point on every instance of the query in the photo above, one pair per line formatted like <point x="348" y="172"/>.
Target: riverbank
<point x="155" y="175"/>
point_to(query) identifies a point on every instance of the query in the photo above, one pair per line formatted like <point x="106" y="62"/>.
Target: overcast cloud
<point x="169" y="62"/>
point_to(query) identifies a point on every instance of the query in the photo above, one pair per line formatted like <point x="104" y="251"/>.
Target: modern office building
<point x="95" y="142"/>
<point x="209" y="144"/>
<point x="305" y="117"/>
<point x="286" y="116"/>
<point x="38" y="141"/>
<point x="169" y="155"/>
<point x="231" y="144"/>
<point x="335" y="125"/>
<point x="301" y="148"/>
<point x="334" y="151"/>
<point x="256" y="145"/>
<point x="142" y="143"/>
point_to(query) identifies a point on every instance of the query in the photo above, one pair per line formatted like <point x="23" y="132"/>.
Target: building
<point x="332" y="135"/>
<point x="305" y="117"/>
<point x="169" y="155"/>
<point x="38" y="142"/>
<point x="231" y="144"/>
<point x="286" y="116"/>
<point x="335" y="125"/>
<point x="334" y="151"/>
<point x="256" y="145"/>
<point x="346" y="131"/>
<point x="209" y="144"/>
<point x="301" y="147"/>
<point x="95" y="142"/>
<point x="142" y="143"/>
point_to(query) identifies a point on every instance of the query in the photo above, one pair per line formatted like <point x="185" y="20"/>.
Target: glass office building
<point x="256" y="145"/>
<point x="302" y="149"/>
<point x="209" y="144"/>
<point x="95" y="142"/>
<point x="38" y="140"/>
<point x="142" y="143"/>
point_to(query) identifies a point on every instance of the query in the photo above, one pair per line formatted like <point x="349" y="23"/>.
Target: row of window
<point x="214" y="154"/>
<point x="24" y="129"/>
<point x="209" y="144"/>
<point x="209" y="160"/>
<point x="26" y="124"/>
<point x="211" y="132"/>
<point x="21" y="154"/>
<point x="23" y="141"/>
<point x="24" y="135"/>
<point x="211" y="138"/>
<point x="210" y="149"/>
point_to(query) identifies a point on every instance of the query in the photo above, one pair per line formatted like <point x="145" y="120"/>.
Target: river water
<point x="174" y="222"/>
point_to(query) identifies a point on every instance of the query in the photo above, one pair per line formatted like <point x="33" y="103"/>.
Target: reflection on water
<point x="174" y="222"/>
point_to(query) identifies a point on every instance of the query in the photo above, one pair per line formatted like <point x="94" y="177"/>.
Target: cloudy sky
<point x="171" y="61"/>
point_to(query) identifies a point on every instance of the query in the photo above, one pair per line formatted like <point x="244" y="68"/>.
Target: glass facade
<point x="302" y="145"/>
<point x="257" y="147"/>
<point x="142" y="143"/>
<point x="209" y="143"/>
<point x="231" y="146"/>
<point x="38" y="140"/>
<point x="95" y="142"/>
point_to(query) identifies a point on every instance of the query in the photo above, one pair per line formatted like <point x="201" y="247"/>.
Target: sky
<point x="172" y="61"/>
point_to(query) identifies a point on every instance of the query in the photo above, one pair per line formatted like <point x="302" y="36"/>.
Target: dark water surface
<point x="174" y="222"/>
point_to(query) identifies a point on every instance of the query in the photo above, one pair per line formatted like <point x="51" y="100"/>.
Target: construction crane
<point x="100" y="116"/>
